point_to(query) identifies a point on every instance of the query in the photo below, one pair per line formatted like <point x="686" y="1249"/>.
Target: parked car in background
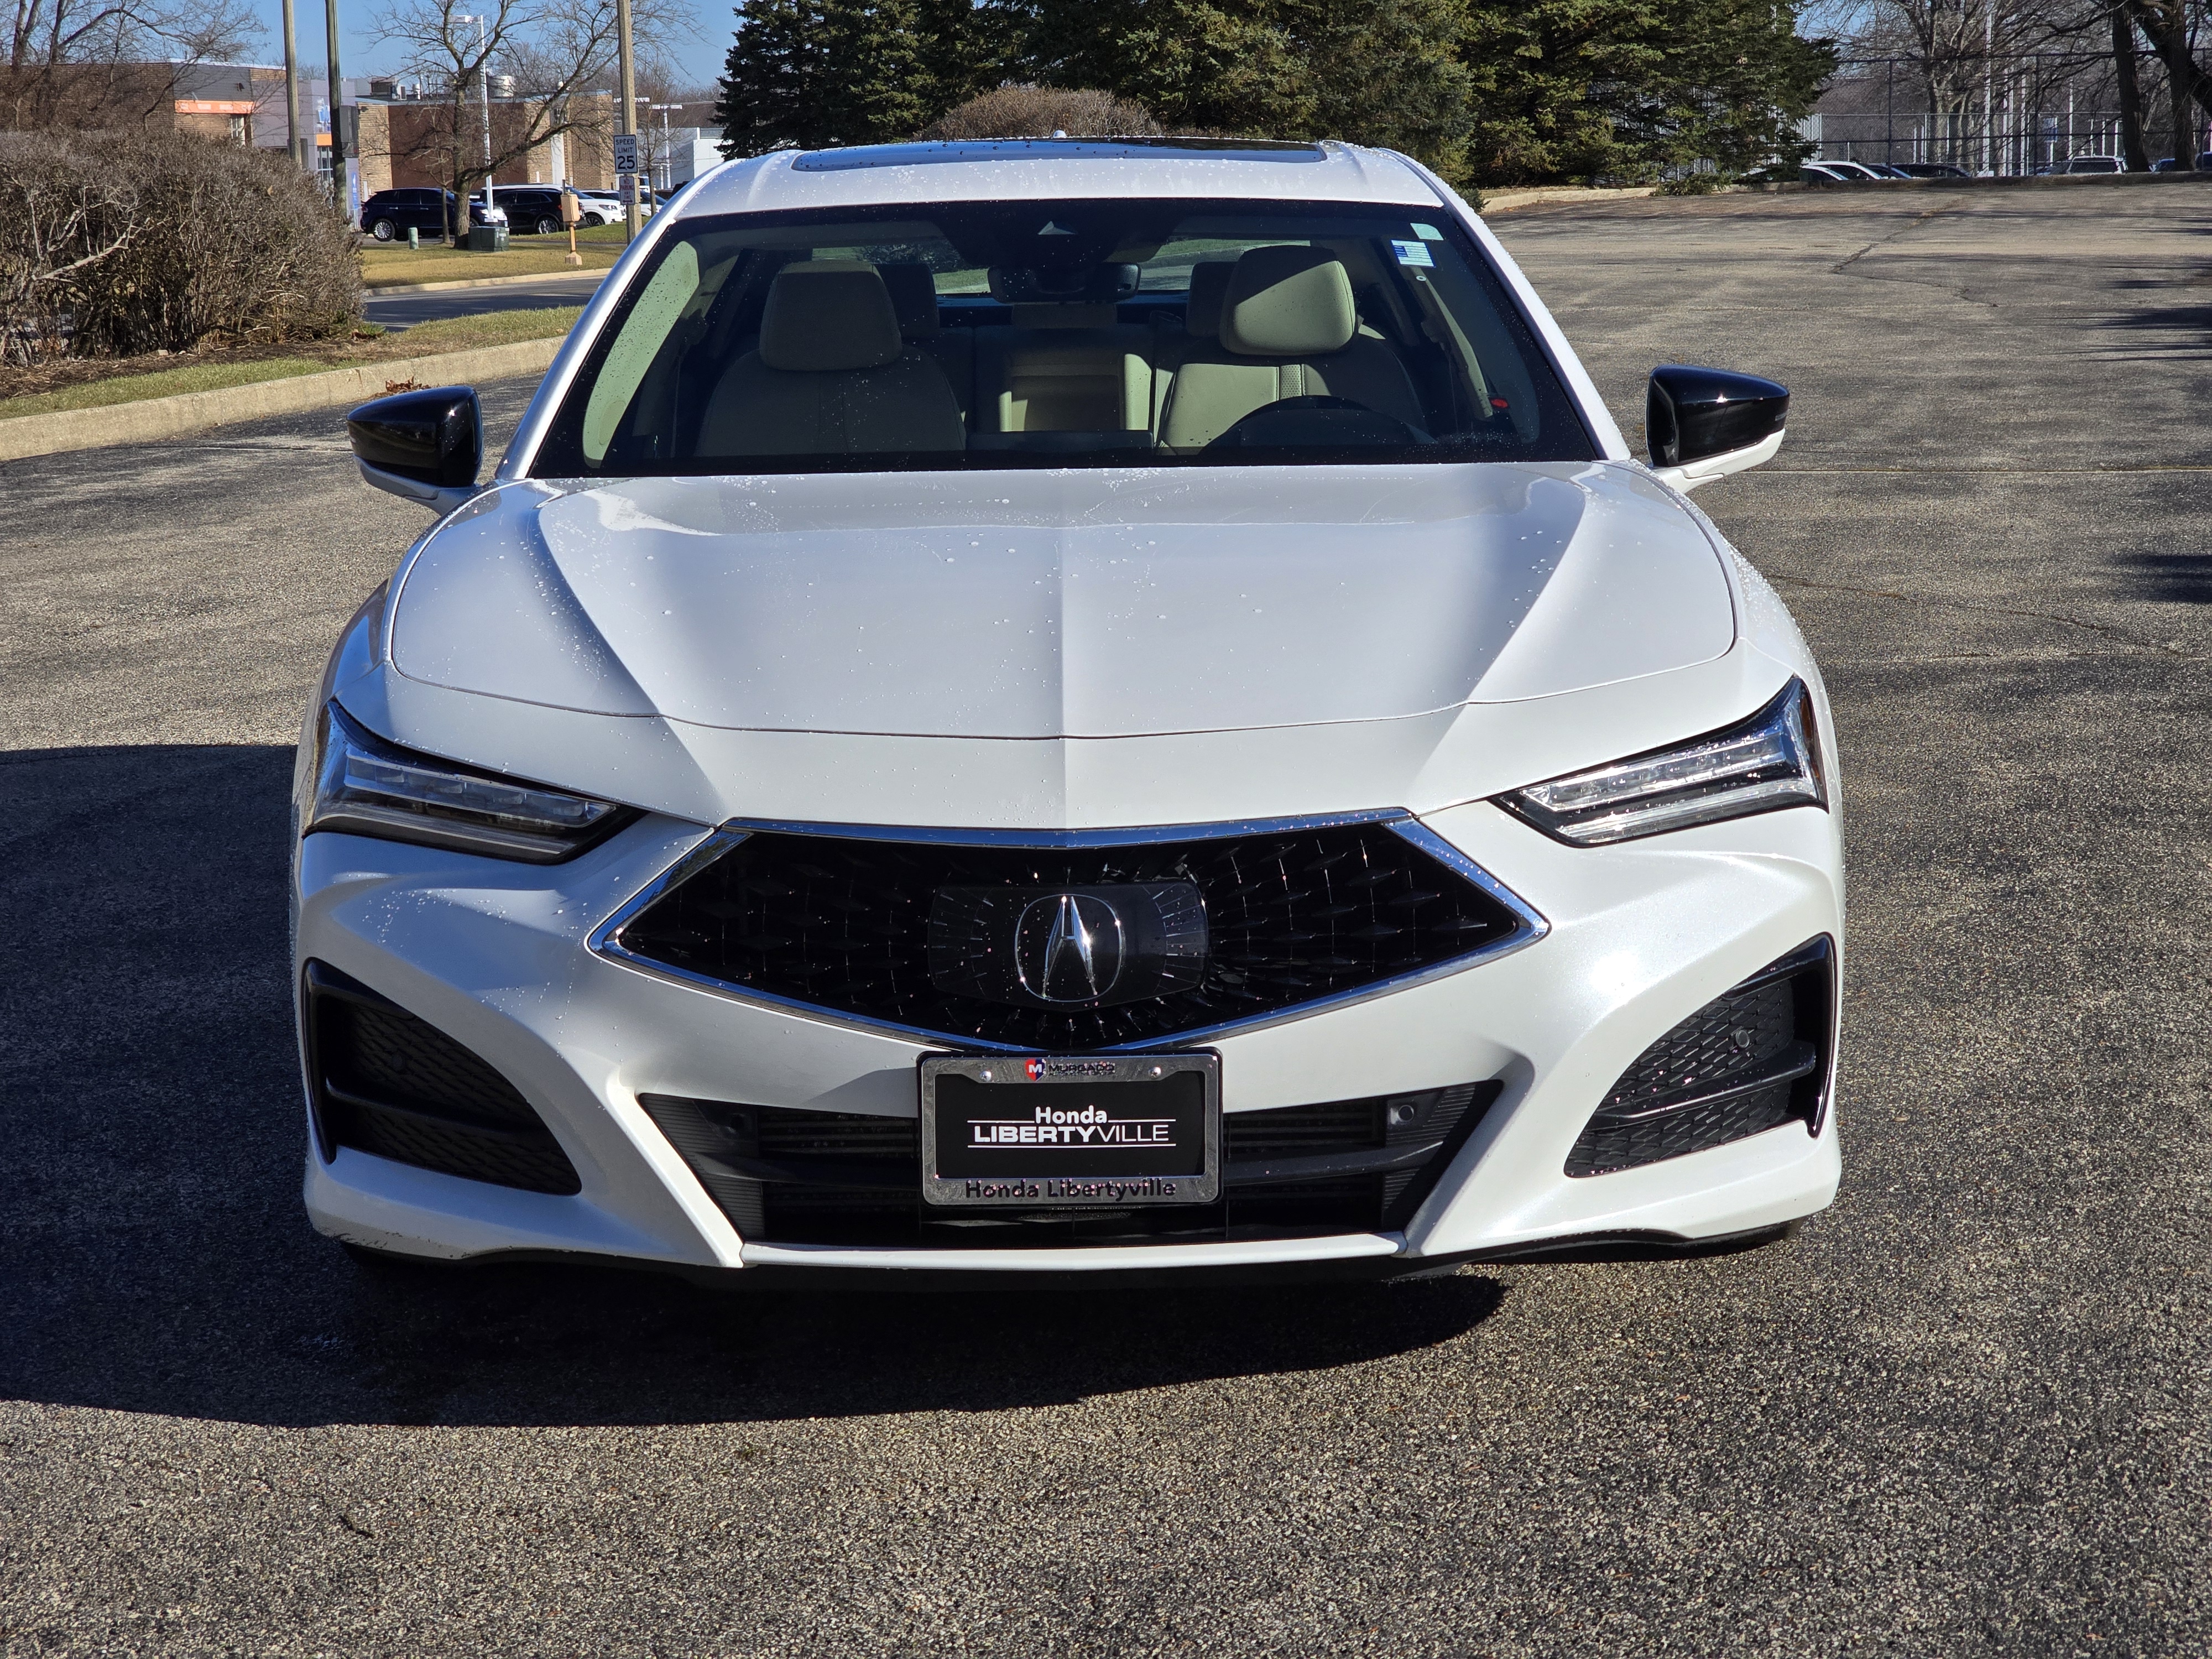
<point x="2095" y="164"/>
<point x="1854" y="173"/>
<point x="530" y="209"/>
<point x="1883" y="170"/>
<point x="2166" y="164"/>
<point x="1816" y="172"/>
<point x="1932" y="170"/>
<point x="391" y="214"/>
<point x="608" y="205"/>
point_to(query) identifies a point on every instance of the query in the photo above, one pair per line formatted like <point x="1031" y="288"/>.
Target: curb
<point x="153" y="418"/>
<point x="1504" y="201"/>
<point x="373" y="292"/>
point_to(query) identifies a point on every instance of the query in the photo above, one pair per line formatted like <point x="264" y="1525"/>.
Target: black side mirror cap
<point x="1692" y="415"/>
<point x="425" y="445"/>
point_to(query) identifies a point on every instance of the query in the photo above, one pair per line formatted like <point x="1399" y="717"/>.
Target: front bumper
<point x="1641" y="935"/>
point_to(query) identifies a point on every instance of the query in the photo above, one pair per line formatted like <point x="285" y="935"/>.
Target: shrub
<point x="116" y="243"/>
<point x="1028" y="112"/>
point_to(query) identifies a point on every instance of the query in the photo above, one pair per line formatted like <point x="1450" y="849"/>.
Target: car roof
<point x="1017" y="169"/>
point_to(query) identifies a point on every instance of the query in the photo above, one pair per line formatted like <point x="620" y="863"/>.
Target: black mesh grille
<point x="1751" y="1060"/>
<point x="385" y="1053"/>
<point x="1729" y="1036"/>
<point x="1291" y="918"/>
<point x="387" y="1083"/>
<point x="532" y="1162"/>
<point x="843" y="1178"/>
<point x="1608" y="1145"/>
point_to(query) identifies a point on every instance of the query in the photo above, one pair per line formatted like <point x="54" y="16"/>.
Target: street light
<point x="667" y="168"/>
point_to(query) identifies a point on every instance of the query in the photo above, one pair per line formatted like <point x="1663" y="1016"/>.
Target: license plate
<point x="1071" y="1132"/>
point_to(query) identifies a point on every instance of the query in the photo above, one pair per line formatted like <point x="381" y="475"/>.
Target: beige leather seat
<point x="1202" y="322"/>
<point x="1288" y="329"/>
<point x="914" y="297"/>
<point x="1063" y="368"/>
<point x="831" y="375"/>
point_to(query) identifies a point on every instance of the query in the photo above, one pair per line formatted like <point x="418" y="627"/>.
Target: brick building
<point x="408" y="142"/>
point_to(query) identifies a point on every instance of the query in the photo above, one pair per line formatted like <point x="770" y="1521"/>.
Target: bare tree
<point x="108" y="63"/>
<point x="2167" y="25"/>
<point x="555" y="50"/>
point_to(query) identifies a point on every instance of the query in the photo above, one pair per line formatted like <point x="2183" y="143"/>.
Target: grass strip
<point x="383" y="268"/>
<point x="165" y="383"/>
<point x="423" y="340"/>
<point x="485" y="328"/>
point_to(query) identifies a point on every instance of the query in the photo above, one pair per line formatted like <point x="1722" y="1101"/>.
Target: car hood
<point x="1077" y="604"/>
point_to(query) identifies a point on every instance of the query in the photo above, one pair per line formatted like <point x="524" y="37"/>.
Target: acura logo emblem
<point x="1067" y="948"/>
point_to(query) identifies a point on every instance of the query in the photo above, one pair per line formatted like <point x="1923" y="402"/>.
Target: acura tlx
<point x="1067" y="706"/>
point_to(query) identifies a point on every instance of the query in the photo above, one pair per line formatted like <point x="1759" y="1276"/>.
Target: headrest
<point x="828" y="315"/>
<point x="1209" y="286"/>
<point x="1288" y="302"/>
<point x="914" y="297"/>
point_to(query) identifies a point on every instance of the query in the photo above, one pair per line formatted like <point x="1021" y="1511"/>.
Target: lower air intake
<point x="1751" y="1059"/>
<point x="384" y="1082"/>
<point x="805" y="1177"/>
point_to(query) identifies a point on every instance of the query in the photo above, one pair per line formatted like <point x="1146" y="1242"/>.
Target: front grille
<point x="806" y="1177"/>
<point x="1291" y="917"/>
<point x="1751" y="1060"/>
<point x="387" y="1083"/>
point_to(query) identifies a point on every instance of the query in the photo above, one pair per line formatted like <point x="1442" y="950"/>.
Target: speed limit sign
<point x="626" y="153"/>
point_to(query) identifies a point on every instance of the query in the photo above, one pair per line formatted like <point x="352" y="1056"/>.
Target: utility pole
<point x="629" y="108"/>
<point x="337" y="131"/>
<point x="292" y="93"/>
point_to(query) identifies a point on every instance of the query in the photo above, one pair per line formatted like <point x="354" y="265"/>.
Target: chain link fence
<point x="2020" y="115"/>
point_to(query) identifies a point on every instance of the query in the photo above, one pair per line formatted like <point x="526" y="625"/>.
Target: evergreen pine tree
<point x="771" y="79"/>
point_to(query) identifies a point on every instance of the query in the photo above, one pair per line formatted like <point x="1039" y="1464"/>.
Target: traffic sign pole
<point x="629" y="118"/>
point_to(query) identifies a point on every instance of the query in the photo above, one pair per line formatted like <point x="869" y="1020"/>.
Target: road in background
<point x="1963" y="1412"/>
<point x="405" y="310"/>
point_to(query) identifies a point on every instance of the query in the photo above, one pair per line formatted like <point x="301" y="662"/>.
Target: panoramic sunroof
<point x="1052" y="150"/>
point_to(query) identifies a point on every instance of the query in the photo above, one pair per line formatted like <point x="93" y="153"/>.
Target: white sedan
<point x="1067" y="706"/>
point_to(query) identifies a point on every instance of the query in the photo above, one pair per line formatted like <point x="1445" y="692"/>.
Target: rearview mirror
<point x="1705" y="423"/>
<point x="427" y="446"/>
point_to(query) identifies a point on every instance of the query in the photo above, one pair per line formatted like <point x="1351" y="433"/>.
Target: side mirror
<point x="427" y="446"/>
<point x="1705" y="423"/>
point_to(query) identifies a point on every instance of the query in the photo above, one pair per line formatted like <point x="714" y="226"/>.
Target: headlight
<point x="1771" y="761"/>
<point x="366" y="787"/>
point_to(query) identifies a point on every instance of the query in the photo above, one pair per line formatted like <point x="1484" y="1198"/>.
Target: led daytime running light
<point x="1770" y="762"/>
<point x="366" y="787"/>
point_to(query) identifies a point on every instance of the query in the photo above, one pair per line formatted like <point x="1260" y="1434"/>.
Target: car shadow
<point x="2194" y="321"/>
<point x="2182" y="577"/>
<point x="155" y="1257"/>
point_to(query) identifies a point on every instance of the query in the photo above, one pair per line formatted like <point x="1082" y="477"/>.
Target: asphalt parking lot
<point x="398" y="311"/>
<point x="1963" y="1412"/>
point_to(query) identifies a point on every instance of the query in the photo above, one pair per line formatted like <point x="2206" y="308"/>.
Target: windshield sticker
<point x="1428" y="233"/>
<point x="1413" y="253"/>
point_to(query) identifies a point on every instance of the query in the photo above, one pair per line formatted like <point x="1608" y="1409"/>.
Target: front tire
<point x="549" y="226"/>
<point x="384" y="230"/>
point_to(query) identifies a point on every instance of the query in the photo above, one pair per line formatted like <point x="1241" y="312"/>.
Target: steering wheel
<point x="1316" y="421"/>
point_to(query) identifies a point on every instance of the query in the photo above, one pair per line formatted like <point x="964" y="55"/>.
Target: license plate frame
<point x="1111" y="1156"/>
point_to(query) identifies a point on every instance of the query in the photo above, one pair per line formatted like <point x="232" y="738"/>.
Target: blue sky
<point x="360" y="53"/>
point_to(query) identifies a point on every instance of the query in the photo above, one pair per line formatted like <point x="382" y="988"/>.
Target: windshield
<point x="1087" y="333"/>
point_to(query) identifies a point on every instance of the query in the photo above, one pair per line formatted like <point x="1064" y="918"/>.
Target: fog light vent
<point x="1751" y="1059"/>
<point x="387" y="1082"/>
